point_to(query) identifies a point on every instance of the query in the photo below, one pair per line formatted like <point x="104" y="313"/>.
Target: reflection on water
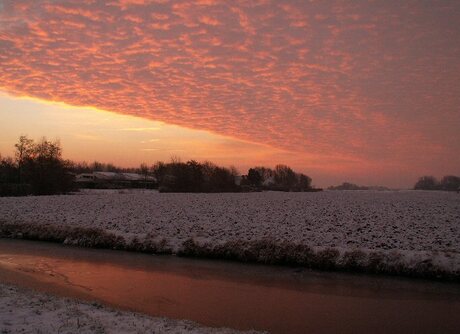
<point x="280" y="300"/>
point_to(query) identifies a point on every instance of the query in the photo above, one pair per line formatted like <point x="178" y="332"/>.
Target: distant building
<point x="111" y="180"/>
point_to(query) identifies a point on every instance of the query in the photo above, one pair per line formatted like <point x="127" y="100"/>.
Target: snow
<point x="24" y="311"/>
<point x="419" y="224"/>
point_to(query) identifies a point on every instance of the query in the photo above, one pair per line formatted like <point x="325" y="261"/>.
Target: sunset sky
<point x="361" y="91"/>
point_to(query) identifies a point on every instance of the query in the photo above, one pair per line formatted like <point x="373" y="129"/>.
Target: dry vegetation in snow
<point x="407" y="232"/>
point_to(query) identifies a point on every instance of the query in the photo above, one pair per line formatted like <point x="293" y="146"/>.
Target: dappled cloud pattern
<point x="367" y="83"/>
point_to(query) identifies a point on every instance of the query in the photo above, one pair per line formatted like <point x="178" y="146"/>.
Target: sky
<point x="360" y="91"/>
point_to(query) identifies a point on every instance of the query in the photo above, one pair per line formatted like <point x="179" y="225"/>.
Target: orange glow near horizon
<point x="95" y="134"/>
<point x="358" y="91"/>
<point x="89" y="134"/>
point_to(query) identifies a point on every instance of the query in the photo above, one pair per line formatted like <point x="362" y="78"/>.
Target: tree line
<point x="352" y="186"/>
<point x="281" y="178"/>
<point x="193" y="176"/>
<point x="39" y="169"/>
<point x="448" y="183"/>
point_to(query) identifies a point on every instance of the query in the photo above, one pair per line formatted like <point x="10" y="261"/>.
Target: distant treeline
<point x="448" y="182"/>
<point x="96" y="166"/>
<point x="352" y="186"/>
<point x="192" y="176"/>
<point x="38" y="169"/>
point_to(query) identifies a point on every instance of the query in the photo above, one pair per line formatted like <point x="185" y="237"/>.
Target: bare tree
<point x="144" y="169"/>
<point x="24" y="150"/>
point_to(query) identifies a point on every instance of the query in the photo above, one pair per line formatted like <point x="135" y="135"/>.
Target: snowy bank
<point x="25" y="311"/>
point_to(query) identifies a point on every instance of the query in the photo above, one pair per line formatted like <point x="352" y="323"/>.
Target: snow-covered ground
<point x="25" y="311"/>
<point x="418" y="223"/>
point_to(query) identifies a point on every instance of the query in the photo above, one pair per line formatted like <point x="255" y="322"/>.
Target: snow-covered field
<point x="24" y="311"/>
<point x="418" y="224"/>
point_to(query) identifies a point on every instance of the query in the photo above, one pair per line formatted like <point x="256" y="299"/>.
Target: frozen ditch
<point x="213" y="294"/>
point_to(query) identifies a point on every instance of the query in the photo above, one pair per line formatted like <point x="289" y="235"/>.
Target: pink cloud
<point x="369" y="81"/>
